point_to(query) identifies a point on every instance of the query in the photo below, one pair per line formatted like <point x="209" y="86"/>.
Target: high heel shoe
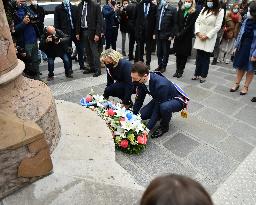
<point x="234" y="88"/>
<point x="245" y="88"/>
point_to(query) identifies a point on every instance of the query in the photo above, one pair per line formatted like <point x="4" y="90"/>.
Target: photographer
<point x="55" y="44"/>
<point x="26" y="35"/>
<point x="111" y="17"/>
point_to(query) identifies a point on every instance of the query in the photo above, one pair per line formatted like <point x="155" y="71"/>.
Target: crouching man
<point x="167" y="98"/>
<point x="56" y="44"/>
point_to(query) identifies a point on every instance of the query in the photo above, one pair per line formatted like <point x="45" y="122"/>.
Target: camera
<point x="55" y="39"/>
<point x="32" y="16"/>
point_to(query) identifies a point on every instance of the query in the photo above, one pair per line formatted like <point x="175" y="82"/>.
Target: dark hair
<point x="175" y="190"/>
<point x="215" y="9"/>
<point x="252" y="7"/>
<point x="140" y="68"/>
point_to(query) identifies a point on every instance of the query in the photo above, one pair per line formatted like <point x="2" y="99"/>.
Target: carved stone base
<point x="32" y="100"/>
<point x="24" y="160"/>
<point x="24" y="153"/>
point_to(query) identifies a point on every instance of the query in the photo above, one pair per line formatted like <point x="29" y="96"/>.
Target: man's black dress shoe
<point x="159" y="132"/>
<point x="87" y="71"/>
<point x="69" y="75"/>
<point x="96" y="74"/>
<point x="253" y="99"/>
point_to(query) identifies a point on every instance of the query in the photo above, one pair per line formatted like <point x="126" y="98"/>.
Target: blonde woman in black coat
<point x="183" y="41"/>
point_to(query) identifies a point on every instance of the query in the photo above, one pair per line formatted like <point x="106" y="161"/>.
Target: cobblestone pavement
<point x="208" y="146"/>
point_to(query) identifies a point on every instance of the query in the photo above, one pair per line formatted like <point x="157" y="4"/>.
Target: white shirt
<point x="146" y="8"/>
<point x="85" y="15"/>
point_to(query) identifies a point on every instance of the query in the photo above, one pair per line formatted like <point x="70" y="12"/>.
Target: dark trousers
<point x="163" y="50"/>
<point x="180" y="63"/>
<point x="131" y="44"/>
<point x="91" y="50"/>
<point x="32" y="65"/>
<point x="66" y="62"/>
<point x="202" y="63"/>
<point x="140" y="49"/>
<point x="155" y="111"/>
<point x="216" y="50"/>
<point x="79" y="50"/>
<point x="111" y="37"/>
<point x="116" y="89"/>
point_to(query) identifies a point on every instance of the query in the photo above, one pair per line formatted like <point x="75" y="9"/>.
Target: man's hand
<point x="154" y="36"/>
<point x="170" y="38"/>
<point x="253" y="58"/>
<point x="26" y="20"/>
<point x="96" y="38"/>
<point x="78" y="37"/>
<point x="49" y="39"/>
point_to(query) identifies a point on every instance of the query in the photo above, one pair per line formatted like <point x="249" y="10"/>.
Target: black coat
<point x="94" y="19"/>
<point x="52" y="49"/>
<point x="131" y="14"/>
<point x="185" y="33"/>
<point x="123" y="21"/>
<point x="40" y="14"/>
<point x="62" y="20"/>
<point x="140" y="23"/>
<point x="168" y="23"/>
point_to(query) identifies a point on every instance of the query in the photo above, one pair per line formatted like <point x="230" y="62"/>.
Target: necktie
<point x="70" y="16"/>
<point x="84" y="14"/>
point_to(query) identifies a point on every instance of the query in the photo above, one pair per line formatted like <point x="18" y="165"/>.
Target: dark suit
<point x="144" y="31"/>
<point x="164" y="101"/>
<point x="131" y="13"/>
<point x="119" y="82"/>
<point x="183" y="40"/>
<point x="165" y="28"/>
<point x="94" y="27"/>
<point x="62" y="21"/>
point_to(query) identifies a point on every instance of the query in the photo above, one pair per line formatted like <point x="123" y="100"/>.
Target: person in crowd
<point x="144" y="29"/>
<point x="183" y="40"/>
<point x="216" y="49"/>
<point x="167" y="98"/>
<point x="88" y="30"/>
<point x="131" y="15"/>
<point x="123" y="24"/>
<point x="232" y="25"/>
<point x="165" y="31"/>
<point x="175" y="190"/>
<point x="245" y="54"/>
<point x="153" y="44"/>
<point x="26" y="36"/>
<point x="111" y="17"/>
<point x="65" y="20"/>
<point x="119" y="82"/>
<point x="40" y="12"/>
<point x="243" y="9"/>
<point x="55" y="44"/>
<point x="207" y="26"/>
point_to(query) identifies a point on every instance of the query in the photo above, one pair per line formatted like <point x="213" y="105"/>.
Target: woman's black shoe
<point x="253" y="99"/>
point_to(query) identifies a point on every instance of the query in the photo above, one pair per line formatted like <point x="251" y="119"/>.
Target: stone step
<point x="240" y="187"/>
<point x="85" y="170"/>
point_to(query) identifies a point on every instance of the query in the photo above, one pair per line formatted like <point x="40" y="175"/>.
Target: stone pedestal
<point x="23" y="158"/>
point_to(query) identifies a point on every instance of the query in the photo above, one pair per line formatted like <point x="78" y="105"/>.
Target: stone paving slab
<point x="248" y="115"/>
<point x="240" y="187"/>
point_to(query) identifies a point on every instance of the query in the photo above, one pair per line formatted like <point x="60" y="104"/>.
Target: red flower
<point x="124" y="144"/>
<point x="88" y="98"/>
<point x="142" y="139"/>
<point x="111" y="112"/>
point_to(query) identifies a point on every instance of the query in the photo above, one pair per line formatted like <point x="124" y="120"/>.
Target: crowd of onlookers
<point x="226" y="32"/>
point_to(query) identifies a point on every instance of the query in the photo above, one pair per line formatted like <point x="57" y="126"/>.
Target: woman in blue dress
<point x="245" y="55"/>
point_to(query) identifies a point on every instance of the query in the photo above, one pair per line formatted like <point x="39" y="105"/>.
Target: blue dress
<point x="242" y="55"/>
